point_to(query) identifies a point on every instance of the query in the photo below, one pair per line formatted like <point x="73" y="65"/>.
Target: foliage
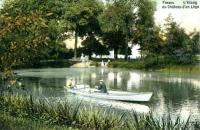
<point x="179" y="47"/>
<point x="185" y="69"/>
<point x="26" y="30"/>
<point x="31" y="31"/>
<point x="58" y="114"/>
<point x="58" y="63"/>
<point x="151" y="64"/>
<point x="117" y="20"/>
<point x="135" y="64"/>
<point x="85" y="117"/>
<point x="13" y="48"/>
<point x="81" y="16"/>
<point x="57" y="51"/>
<point x="114" y="40"/>
<point x="92" y="45"/>
<point x="8" y="122"/>
<point x="195" y="42"/>
<point x="146" y="33"/>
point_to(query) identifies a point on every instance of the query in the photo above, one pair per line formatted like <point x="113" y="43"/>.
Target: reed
<point x="76" y="115"/>
<point x="8" y="122"/>
<point x="147" y="65"/>
<point x="148" y="122"/>
<point x="191" y="69"/>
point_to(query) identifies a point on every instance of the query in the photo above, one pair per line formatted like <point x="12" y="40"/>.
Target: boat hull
<point x="112" y="95"/>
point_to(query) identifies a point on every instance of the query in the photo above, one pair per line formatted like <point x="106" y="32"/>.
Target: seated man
<point x="102" y="87"/>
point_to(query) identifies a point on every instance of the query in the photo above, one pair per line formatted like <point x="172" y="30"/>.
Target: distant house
<point x="70" y="43"/>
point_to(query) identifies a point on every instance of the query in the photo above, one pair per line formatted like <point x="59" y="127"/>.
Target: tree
<point x="82" y="18"/>
<point x="26" y="31"/>
<point x="146" y="33"/>
<point x="115" y="41"/>
<point x="118" y="18"/>
<point x="196" y="43"/>
<point x="179" y="46"/>
<point x="16" y="36"/>
<point x="57" y="27"/>
<point x="92" y="45"/>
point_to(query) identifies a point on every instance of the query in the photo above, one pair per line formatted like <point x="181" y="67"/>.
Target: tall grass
<point x="147" y="65"/>
<point x="148" y="122"/>
<point x="78" y="116"/>
<point x="8" y="122"/>
<point x="192" y="69"/>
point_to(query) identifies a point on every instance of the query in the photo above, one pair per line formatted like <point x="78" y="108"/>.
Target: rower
<point x="102" y="87"/>
<point x="70" y="83"/>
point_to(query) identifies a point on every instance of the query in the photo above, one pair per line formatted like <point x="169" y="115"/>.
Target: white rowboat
<point x="111" y="95"/>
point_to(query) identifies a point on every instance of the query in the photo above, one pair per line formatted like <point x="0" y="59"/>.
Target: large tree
<point x="179" y="46"/>
<point x="27" y="27"/>
<point x="115" y="41"/>
<point x="81" y="16"/>
<point x="118" y="18"/>
<point x="146" y="34"/>
<point x="92" y="45"/>
<point x="196" y="42"/>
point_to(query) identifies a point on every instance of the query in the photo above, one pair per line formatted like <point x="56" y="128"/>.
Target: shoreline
<point x="120" y="64"/>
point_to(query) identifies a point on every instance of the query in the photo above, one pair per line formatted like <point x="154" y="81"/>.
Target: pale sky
<point x="0" y="3"/>
<point x="187" y="18"/>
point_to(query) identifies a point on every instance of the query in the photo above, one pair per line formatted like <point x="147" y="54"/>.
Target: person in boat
<point x="102" y="87"/>
<point x="70" y="83"/>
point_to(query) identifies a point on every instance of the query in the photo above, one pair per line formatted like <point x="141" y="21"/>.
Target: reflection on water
<point x="116" y="105"/>
<point x="177" y="94"/>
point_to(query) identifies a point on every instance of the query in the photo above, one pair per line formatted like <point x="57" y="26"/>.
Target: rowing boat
<point x="111" y="95"/>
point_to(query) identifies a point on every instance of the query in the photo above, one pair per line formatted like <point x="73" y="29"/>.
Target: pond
<point x="177" y="94"/>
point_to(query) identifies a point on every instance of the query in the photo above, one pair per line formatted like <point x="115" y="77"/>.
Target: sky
<point x="187" y="18"/>
<point x="0" y="3"/>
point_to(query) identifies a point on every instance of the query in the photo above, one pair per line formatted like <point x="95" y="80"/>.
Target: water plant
<point x="77" y="115"/>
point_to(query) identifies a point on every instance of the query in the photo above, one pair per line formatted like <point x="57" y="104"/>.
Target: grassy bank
<point x="151" y="63"/>
<point x="75" y="115"/>
<point x="48" y="63"/>
<point x="192" y="69"/>
<point x="133" y="64"/>
<point x="143" y="65"/>
<point x="8" y="122"/>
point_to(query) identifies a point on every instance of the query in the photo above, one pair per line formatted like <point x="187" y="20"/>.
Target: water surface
<point x="177" y="94"/>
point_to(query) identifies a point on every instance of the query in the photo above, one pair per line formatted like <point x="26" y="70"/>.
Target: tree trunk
<point x="115" y="53"/>
<point x="157" y="58"/>
<point x="126" y="48"/>
<point x="90" y="56"/>
<point x="75" y="45"/>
